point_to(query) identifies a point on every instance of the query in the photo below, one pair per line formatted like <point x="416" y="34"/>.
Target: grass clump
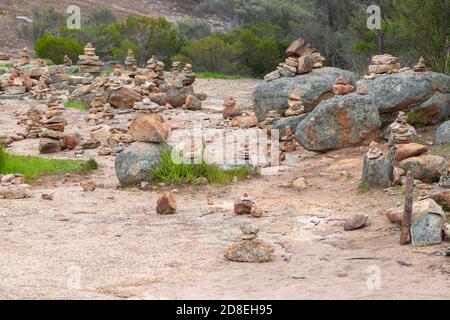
<point x="34" y="167"/>
<point x="216" y="75"/>
<point x="169" y="172"/>
<point x="6" y="65"/>
<point x="363" y="187"/>
<point x="75" y="106"/>
<point x="416" y="119"/>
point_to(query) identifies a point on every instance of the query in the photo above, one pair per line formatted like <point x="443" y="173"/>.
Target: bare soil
<point x="112" y="241"/>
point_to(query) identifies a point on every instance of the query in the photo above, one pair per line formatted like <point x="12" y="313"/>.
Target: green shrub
<point x="172" y="173"/>
<point x="54" y="49"/>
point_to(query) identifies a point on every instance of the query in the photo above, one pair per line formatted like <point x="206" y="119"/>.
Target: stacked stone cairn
<point x="52" y="135"/>
<point x="90" y="62"/>
<point x="33" y="123"/>
<point x="296" y="106"/>
<point x="421" y="65"/>
<point x="383" y="64"/>
<point x="117" y="71"/>
<point x="4" y="57"/>
<point x="176" y="68"/>
<point x="343" y="86"/>
<point x="130" y="61"/>
<point x="301" y="59"/>
<point x="249" y="248"/>
<point x="400" y="132"/>
<point x="67" y="61"/>
<point x="25" y="59"/>
<point x="16" y="84"/>
<point x="54" y="108"/>
<point x="230" y="109"/>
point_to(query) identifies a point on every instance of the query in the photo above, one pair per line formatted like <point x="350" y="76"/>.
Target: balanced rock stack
<point x="249" y="248"/>
<point x="25" y="59"/>
<point x="176" y="67"/>
<point x="187" y="76"/>
<point x="155" y="71"/>
<point x="146" y="106"/>
<point x="230" y="109"/>
<point x="296" y="106"/>
<point x="301" y="59"/>
<point x="90" y="62"/>
<point x="54" y="108"/>
<point x="382" y="64"/>
<point x="52" y="136"/>
<point x="130" y="61"/>
<point x="288" y="142"/>
<point x="271" y="117"/>
<point x="15" y="84"/>
<point x="400" y="132"/>
<point x="421" y="66"/>
<point x="33" y="123"/>
<point x="117" y="71"/>
<point x="343" y="86"/>
<point x="67" y="61"/>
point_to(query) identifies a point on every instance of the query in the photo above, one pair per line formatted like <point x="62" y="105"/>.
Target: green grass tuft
<point x="6" y="65"/>
<point x="76" y="106"/>
<point x="215" y="75"/>
<point x="34" y="167"/>
<point x="364" y="187"/>
<point x="416" y="119"/>
<point x="169" y="172"/>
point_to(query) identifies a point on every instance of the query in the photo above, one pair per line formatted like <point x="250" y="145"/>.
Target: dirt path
<point x="110" y="244"/>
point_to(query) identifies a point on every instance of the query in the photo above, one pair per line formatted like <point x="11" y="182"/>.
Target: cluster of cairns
<point x="52" y="133"/>
<point x="301" y="59"/>
<point x="90" y="62"/>
<point x="388" y="64"/>
<point x="130" y="61"/>
<point x="13" y="186"/>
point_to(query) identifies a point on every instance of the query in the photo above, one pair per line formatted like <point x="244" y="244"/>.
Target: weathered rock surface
<point x="377" y="172"/>
<point x="134" y="164"/>
<point x="166" y="204"/>
<point x="250" y="251"/>
<point x="343" y="121"/>
<point x="149" y="127"/>
<point x="176" y="97"/>
<point x="426" y="168"/>
<point x="405" y="90"/>
<point x="443" y="133"/>
<point x="420" y="208"/>
<point x="312" y="88"/>
<point x="124" y="98"/>
<point x="409" y="150"/>
<point x="427" y="230"/>
<point x="15" y="192"/>
<point x="356" y="222"/>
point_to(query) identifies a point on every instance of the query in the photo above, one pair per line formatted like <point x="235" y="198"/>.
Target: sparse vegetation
<point x="416" y="119"/>
<point x="172" y="173"/>
<point x="34" y="167"/>
<point x="75" y="105"/>
<point x="54" y="49"/>
<point x="363" y="187"/>
<point x="216" y="75"/>
<point x="6" y="65"/>
<point x="2" y="13"/>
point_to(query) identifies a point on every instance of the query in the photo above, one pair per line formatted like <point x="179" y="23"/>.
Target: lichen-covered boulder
<point x="433" y="110"/>
<point x="443" y="133"/>
<point x="426" y="168"/>
<point x="134" y="164"/>
<point x="339" y="122"/>
<point x="407" y="90"/>
<point x="312" y="88"/>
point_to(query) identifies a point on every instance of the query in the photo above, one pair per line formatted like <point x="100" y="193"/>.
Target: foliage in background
<point x="260" y="30"/>
<point x="54" y="49"/>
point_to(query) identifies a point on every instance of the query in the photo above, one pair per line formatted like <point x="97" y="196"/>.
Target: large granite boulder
<point x="427" y="93"/>
<point x="312" y="88"/>
<point x="339" y="122"/>
<point x="133" y="165"/>
<point x="443" y="133"/>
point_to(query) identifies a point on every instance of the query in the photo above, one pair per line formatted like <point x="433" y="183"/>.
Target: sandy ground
<point x="110" y="244"/>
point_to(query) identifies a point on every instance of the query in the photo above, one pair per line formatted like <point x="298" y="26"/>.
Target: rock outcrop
<point x="340" y="122"/>
<point x="311" y="88"/>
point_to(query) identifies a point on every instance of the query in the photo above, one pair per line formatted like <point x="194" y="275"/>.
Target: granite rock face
<point x="340" y="122"/>
<point x="443" y="133"/>
<point x="312" y="88"/>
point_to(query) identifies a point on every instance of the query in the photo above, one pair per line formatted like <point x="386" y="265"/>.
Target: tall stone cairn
<point x="90" y="62"/>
